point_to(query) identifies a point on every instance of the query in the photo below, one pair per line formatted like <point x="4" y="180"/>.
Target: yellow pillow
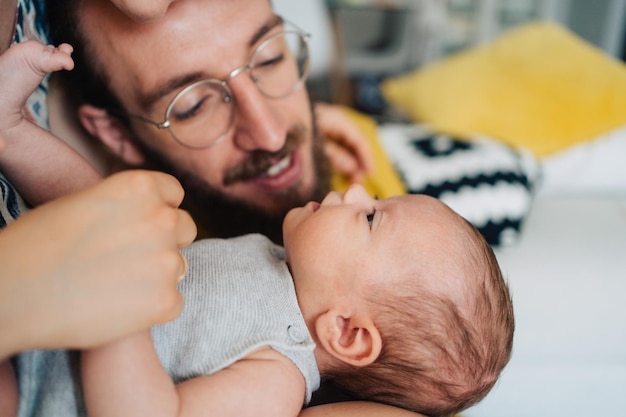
<point x="538" y="86"/>
<point x="384" y="182"/>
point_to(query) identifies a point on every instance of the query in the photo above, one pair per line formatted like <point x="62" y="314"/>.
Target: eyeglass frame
<point x="229" y="96"/>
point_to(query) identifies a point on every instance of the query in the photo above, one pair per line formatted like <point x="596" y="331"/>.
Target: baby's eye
<point x="370" y="217"/>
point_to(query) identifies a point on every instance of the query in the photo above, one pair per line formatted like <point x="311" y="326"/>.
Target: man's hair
<point x="438" y="358"/>
<point x="87" y="81"/>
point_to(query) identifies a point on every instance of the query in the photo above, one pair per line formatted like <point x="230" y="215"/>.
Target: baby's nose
<point x="333" y="197"/>
<point x="356" y="194"/>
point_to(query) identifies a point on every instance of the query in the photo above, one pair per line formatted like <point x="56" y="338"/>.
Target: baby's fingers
<point x="65" y="48"/>
<point x="56" y="58"/>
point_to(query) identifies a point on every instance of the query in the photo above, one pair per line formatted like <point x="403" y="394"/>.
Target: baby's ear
<point x="111" y="132"/>
<point x="351" y="338"/>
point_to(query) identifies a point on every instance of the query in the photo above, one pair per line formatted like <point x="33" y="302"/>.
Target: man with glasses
<point x="213" y="93"/>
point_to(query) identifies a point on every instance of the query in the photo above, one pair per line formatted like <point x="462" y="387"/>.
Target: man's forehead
<point x="167" y="84"/>
<point x="190" y="39"/>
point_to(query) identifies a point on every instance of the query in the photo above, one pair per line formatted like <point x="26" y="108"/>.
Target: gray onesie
<point x="239" y="296"/>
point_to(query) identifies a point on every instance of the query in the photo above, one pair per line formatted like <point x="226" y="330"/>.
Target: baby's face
<point x="351" y="239"/>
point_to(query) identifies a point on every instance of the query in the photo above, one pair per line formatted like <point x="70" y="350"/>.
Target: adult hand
<point x="356" y="409"/>
<point x="94" y="266"/>
<point x="346" y="146"/>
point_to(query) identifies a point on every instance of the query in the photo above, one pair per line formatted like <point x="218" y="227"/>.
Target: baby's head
<point x="404" y="298"/>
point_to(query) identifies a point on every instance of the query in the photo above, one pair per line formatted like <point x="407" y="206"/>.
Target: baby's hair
<point x="438" y="358"/>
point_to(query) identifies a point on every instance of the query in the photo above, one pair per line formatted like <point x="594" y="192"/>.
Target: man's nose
<point x="257" y="124"/>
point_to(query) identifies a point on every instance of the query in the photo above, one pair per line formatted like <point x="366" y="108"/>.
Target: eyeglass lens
<point x="203" y="112"/>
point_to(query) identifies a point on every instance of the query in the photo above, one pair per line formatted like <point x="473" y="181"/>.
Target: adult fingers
<point x="356" y="143"/>
<point x="335" y="124"/>
<point x="163" y="185"/>
<point x="186" y="230"/>
<point x="344" y="161"/>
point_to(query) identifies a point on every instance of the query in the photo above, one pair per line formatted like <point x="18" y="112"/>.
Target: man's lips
<point x="274" y="170"/>
<point x="282" y="174"/>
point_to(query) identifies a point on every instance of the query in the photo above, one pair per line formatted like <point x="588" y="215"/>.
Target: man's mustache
<point x="260" y="161"/>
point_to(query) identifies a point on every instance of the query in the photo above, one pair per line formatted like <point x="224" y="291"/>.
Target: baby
<point x="399" y="301"/>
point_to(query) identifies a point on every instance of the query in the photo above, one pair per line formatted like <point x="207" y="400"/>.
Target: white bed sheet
<point x="568" y="279"/>
<point x="596" y="167"/>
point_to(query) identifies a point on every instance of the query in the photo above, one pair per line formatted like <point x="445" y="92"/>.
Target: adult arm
<point x="9" y="395"/>
<point x="94" y="266"/>
<point x="357" y="409"/>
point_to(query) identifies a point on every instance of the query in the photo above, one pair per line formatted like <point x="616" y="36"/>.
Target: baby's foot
<point x="22" y="67"/>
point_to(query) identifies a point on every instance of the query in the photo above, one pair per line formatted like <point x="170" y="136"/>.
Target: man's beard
<point x="222" y="216"/>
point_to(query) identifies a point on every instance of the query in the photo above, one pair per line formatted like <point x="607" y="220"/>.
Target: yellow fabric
<point x="384" y="182"/>
<point x="537" y="86"/>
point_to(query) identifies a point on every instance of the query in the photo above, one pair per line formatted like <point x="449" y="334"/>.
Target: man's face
<point x="266" y="159"/>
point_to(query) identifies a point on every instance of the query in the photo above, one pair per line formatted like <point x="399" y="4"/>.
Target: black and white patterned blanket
<point x="485" y="181"/>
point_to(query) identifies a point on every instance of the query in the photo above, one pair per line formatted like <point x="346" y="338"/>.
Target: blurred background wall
<point x="356" y="43"/>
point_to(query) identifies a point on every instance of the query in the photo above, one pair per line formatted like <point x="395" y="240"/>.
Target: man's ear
<point x="111" y="132"/>
<point x="351" y="338"/>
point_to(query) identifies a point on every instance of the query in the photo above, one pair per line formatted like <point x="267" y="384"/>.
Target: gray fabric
<point x="49" y="384"/>
<point x="239" y="296"/>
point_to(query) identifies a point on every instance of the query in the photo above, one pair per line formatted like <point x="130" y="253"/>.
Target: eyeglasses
<point x="202" y="113"/>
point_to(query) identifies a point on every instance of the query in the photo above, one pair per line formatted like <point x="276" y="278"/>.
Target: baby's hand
<point x="22" y="68"/>
<point x="51" y="58"/>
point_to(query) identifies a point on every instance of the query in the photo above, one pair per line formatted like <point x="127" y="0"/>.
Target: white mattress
<point x="568" y="279"/>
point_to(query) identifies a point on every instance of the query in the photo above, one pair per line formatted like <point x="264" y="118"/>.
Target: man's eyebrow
<point x="263" y="30"/>
<point x="146" y="101"/>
